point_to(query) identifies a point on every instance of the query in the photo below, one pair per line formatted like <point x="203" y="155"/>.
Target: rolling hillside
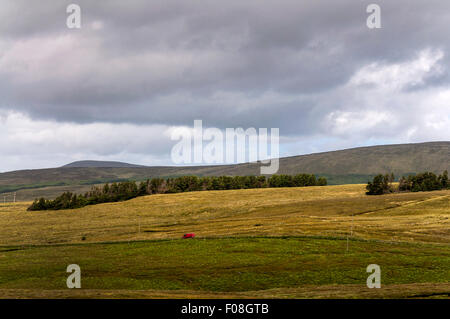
<point x="100" y="164"/>
<point x="313" y="242"/>
<point x="355" y="165"/>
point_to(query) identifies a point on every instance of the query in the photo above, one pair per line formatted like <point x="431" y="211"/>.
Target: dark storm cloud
<point x="169" y="62"/>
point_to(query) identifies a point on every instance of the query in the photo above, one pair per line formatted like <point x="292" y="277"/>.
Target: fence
<point x="8" y="197"/>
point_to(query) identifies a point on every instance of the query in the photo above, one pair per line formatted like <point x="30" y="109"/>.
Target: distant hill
<point x="348" y="166"/>
<point x="100" y="164"/>
<point x="400" y="159"/>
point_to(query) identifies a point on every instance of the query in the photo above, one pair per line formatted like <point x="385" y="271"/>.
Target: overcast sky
<point x="117" y="87"/>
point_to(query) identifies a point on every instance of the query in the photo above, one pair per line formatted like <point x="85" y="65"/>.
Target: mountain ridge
<point x="97" y="163"/>
<point x="354" y="165"/>
<point x="118" y="164"/>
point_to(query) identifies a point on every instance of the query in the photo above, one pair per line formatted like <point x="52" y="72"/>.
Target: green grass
<point x="255" y="243"/>
<point x="223" y="265"/>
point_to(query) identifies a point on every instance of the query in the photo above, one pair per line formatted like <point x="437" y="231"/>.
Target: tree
<point x="321" y="181"/>
<point x="443" y="179"/>
<point x="381" y="184"/>
<point x="404" y="184"/>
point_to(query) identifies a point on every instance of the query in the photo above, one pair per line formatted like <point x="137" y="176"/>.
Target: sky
<point x="117" y="87"/>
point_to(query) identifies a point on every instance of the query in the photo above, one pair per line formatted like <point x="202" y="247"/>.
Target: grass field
<point x="265" y="243"/>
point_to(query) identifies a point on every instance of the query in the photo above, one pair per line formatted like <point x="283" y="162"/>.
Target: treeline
<point x="422" y="182"/>
<point x="122" y="191"/>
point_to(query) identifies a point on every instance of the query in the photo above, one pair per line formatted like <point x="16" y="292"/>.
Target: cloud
<point x="40" y="143"/>
<point x="398" y="76"/>
<point x="379" y="102"/>
<point x="311" y="68"/>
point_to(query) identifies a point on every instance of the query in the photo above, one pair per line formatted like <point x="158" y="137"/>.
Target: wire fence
<point x="8" y="197"/>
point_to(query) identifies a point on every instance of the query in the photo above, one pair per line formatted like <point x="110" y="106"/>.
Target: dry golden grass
<point x="146" y="269"/>
<point x="330" y="211"/>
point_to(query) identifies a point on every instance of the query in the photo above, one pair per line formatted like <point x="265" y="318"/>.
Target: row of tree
<point x="427" y="181"/>
<point x="122" y="191"/>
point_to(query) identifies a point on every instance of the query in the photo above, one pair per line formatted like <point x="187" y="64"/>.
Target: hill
<point x="401" y="158"/>
<point x="355" y="165"/>
<point x="284" y="243"/>
<point x="100" y="164"/>
<point x="246" y="212"/>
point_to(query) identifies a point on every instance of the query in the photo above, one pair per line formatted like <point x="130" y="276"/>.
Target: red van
<point x="190" y="235"/>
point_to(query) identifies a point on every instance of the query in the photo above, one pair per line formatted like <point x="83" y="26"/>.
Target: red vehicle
<point x="190" y="235"/>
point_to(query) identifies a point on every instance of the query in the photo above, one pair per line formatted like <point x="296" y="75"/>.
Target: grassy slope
<point x="340" y="167"/>
<point x="224" y="265"/>
<point x="323" y="211"/>
<point x="400" y="159"/>
<point x="48" y="192"/>
<point x="406" y="234"/>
